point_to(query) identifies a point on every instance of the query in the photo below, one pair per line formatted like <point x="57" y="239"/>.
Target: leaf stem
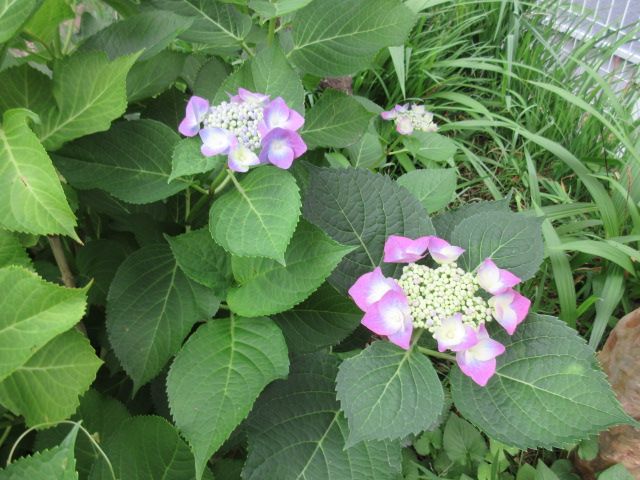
<point x="272" y="31"/>
<point x="247" y="49"/>
<point x="61" y="261"/>
<point x="433" y="353"/>
<point x="223" y="184"/>
<point x="198" y="188"/>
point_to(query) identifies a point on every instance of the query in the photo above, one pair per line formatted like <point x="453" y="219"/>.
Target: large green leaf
<point x="268" y="287"/>
<point x="13" y="14"/>
<point x="217" y="376"/>
<point x="57" y="463"/>
<point x="222" y="27"/>
<point x="324" y="319"/>
<point x="187" y="159"/>
<point x="30" y="190"/>
<point x="12" y="252"/>
<point x="512" y="240"/>
<point x="276" y="8"/>
<point x="90" y="92"/>
<point x="446" y="222"/>
<point x="297" y="431"/>
<point x="98" y="260"/>
<point x="359" y="208"/>
<point x="155" y="75"/>
<point x="367" y="151"/>
<point x="131" y="161"/>
<point x="430" y="146"/>
<point x="145" y="448"/>
<point x="259" y="216"/>
<point x="434" y="187"/>
<point x="149" y="31"/>
<point x="25" y="87"/>
<point x="547" y="391"/>
<point x="151" y="308"/>
<point x="32" y="312"/>
<point x="388" y="393"/>
<point x="47" y="387"/>
<point x="336" y="120"/>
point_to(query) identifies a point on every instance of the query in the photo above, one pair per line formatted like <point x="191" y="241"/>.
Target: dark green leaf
<point x="446" y="222"/>
<point x="25" y="87"/>
<point x="462" y="442"/>
<point x="434" y="187"/>
<point x="149" y="78"/>
<point x="98" y="260"/>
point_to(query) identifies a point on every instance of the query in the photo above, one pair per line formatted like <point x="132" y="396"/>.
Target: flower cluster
<point x="411" y="117"/>
<point x="249" y="128"/>
<point x="445" y="300"/>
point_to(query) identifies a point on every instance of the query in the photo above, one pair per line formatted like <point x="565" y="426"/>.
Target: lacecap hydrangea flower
<point x="409" y="118"/>
<point x="444" y="300"/>
<point x="250" y="129"/>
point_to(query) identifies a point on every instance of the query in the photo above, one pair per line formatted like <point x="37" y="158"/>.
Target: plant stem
<point x="61" y="261"/>
<point x="247" y="49"/>
<point x="272" y="31"/>
<point x="223" y="184"/>
<point x="433" y="353"/>
<point x="198" y="188"/>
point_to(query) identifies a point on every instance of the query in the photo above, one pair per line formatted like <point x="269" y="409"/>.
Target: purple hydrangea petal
<point x="216" y="141"/>
<point x="510" y="308"/>
<point x="495" y="280"/>
<point x="247" y="96"/>
<point x="371" y="287"/>
<point x="391" y="316"/>
<point x="442" y="251"/>
<point x="399" y="249"/>
<point x="389" y="114"/>
<point x="454" y="335"/>
<point x="196" y="110"/>
<point x="280" y="147"/>
<point x="241" y="158"/>
<point x="278" y="115"/>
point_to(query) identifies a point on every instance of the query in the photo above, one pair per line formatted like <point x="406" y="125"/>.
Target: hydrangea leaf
<point x="430" y="146"/>
<point x="367" y="151"/>
<point x="187" y="159"/>
<point x="30" y="190"/>
<point x="326" y="44"/>
<point x="462" y="442"/>
<point x="45" y="22"/>
<point x="359" y="208"/>
<point x="276" y="8"/>
<point x="434" y="187"/>
<point x="149" y="78"/>
<point x="89" y="91"/>
<point x="151" y="308"/>
<point x="131" y="161"/>
<point x="217" y="376"/>
<point x="97" y="261"/>
<point x="146" y="448"/>
<point x="209" y="77"/>
<point x="388" y="393"/>
<point x="13" y="93"/>
<point x="48" y="386"/>
<point x="446" y="222"/>
<point x="259" y="216"/>
<point x="58" y="463"/>
<point x="202" y="260"/>
<point x="512" y="240"/>
<point x="335" y="120"/>
<point x="547" y="391"/>
<point x="13" y="14"/>
<point x="12" y="252"/>
<point x="324" y="319"/>
<point x="297" y="431"/>
<point x="45" y="311"/>
<point x="267" y="287"/>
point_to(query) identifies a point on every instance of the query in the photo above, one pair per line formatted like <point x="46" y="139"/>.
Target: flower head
<point x="281" y="147"/>
<point x="442" y="251"/>
<point x="479" y="361"/>
<point x="409" y="118"/>
<point x="510" y="308"/>
<point x="390" y="316"/>
<point x="399" y="249"/>
<point x="495" y="280"/>
<point x="196" y="111"/>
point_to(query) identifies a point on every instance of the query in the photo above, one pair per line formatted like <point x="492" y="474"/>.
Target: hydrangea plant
<point x="207" y="270"/>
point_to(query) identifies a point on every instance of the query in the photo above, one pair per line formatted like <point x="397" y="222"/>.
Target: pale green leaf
<point x="217" y="376"/>
<point x="30" y="190"/>
<point x="154" y="76"/>
<point x="151" y="308"/>
<point x="276" y="8"/>
<point x="12" y="252"/>
<point x="259" y="216"/>
<point x="367" y="151"/>
<point x="267" y="287"/>
<point x="297" y="432"/>
<point x="32" y="312"/>
<point x="46" y="389"/>
<point x="547" y="390"/>
<point x="13" y="14"/>
<point x="434" y="187"/>
<point x="44" y="25"/>
<point x="429" y="146"/>
<point x="388" y="393"/>
<point x="187" y="159"/>
<point x="462" y="442"/>
<point x="327" y="42"/>
<point x="131" y="161"/>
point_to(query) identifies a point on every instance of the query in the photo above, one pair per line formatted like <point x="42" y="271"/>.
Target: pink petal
<point x="371" y="287"/>
<point x="196" y="110"/>
<point x="403" y="337"/>
<point x="495" y="280"/>
<point x="442" y="251"/>
<point x="245" y="95"/>
<point x="241" y="158"/>
<point x="479" y="371"/>
<point x="281" y="157"/>
<point x="389" y="115"/>
<point x="389" y="315"/>
<point x="510" y="309"/>
<point x="404" y="126"/>
<point x="399" y="249"/>
<point x="454" y="335"/>
<point x="486" y="349"/>
<point x="216" y="141"/>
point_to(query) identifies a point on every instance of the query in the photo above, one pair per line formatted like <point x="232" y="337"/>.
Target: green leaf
<point x="217" y="376"/>
<point x="221" y="27"/>
<point x="388" y="393"/>
<point x="359" y="208"/>
<point x="259" y="216"/>
<point x="328" y="44"/>
<point x="324" y="319"/>
<point x="547" y="391"/>
<point x="446" y="222"/>
<point x="13" y="14"/>
<point x="462" y="443"/>
<point x="44" y="25"/>
<point x="151" y="308"/>
<point x="98" y="260"/>
<point x="429" y="146"/>
<point x="617" y="472"/>
<point x="434" y="187"/>
<point x="90" y="92"/>
<point x="267" y="287"/>
<point x="57" y="463"/>
<point x="154" y="76"/>
<point x="366" y="152"/>
<point x="544" y="473"/>
<point x="202" y="260"/>
<point x="45" y="311"/>
<point x="46" y="389"/>
<point x="276" y="8"/>
<point x="29" y="187"/>
<point x="145" y="448"/>
<point x="188" y="160"/>
<point x="12" y="252"/>
<point x="297" y="431"/>
<point x="336" y="120"/>
<point x="150" y="31"/>
<point x="512" y="240"/>
<point x="210" y="77"/>
<point x="131" y="161"/>
<point x="25" y="87"/>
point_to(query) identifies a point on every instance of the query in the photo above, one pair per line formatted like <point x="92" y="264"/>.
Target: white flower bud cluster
<point x="241" y="119"/>
<point x="436" y="294"/>
<point x="420" y="118"/>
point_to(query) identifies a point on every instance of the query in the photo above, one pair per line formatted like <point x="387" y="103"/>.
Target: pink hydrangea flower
<point x="281" y="147"/>
<point x="371" y="287"/>
<point x="390" y="316"/>
<point x="247" y="96"/>
<point x="442" y="251"/>
<point x="399" y="249"/>
<point x="197" y="109"/>
<point x="510" y="308"/>
<point x="408" y="118"/>
<point x="479" y="361"/>
<point x="495" y="280"/>
<point x="277" y="114"/>
<point x="454" y="335"/>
